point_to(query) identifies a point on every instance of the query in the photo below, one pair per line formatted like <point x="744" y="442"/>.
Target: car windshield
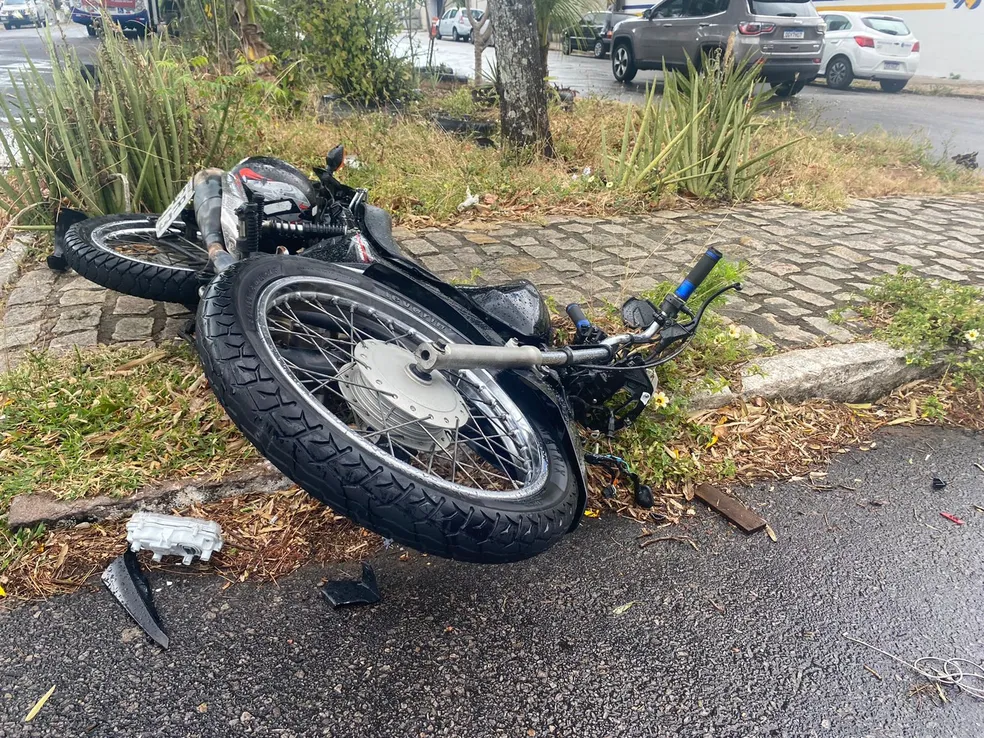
<point x="782" y="8"/>
<point x="477" y="14"/>
<point x="619" y="17"/>
<point x="891" y="26"/>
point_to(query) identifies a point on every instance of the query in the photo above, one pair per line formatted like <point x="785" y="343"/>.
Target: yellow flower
<point x="972" y="335"/>
<point x="609" y="185"/>
<point x="734" y="331"/>
<point x="660" y="399"/>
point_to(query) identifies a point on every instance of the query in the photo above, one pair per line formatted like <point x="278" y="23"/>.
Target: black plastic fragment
<point x="127" y="583"/>
<point x="644" y="496"/>
<point x="346" y="592"/>
<point x="938" y="484"/>
<point x="65" y="220"/>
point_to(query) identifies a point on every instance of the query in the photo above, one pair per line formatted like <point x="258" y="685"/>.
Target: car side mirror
<point x="648" y="14"/>
<point x="335" y="158"/>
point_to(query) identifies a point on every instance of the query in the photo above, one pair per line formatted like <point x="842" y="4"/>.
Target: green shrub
<point x="698" y="135"/>
<point x="127" y="143"/>
<point x="930" y="319"/>
<point x="347" y="43"/>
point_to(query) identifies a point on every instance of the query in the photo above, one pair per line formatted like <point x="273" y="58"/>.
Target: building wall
<point x="950" y="32"/>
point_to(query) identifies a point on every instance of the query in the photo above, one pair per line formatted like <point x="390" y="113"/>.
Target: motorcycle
<point x="437" y="415"/>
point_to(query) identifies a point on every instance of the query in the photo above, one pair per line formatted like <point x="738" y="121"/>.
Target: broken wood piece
<point x="731" y="508"/>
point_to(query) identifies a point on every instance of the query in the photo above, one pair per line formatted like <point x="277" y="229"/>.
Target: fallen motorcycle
<point x="437" y="415"/>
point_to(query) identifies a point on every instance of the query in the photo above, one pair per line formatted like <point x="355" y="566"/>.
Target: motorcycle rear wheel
<point x="283" y="342"/>
<point x="123" y="253"/>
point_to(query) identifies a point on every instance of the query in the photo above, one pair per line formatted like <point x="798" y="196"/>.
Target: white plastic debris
<point x="173" y="535"/>
<point x="352" y="162"/>
<point x="469" y="202"/>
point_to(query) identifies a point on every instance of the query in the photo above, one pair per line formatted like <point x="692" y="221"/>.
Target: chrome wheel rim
<point x="599" y="49"/>
<point x="312" y="327"/>
<point x="138" y="242"/>
<point x="621" y="61"/>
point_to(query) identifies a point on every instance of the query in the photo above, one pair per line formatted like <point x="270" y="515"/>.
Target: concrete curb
<point x="853" y="372"/>
<point x="28" y="510"/>
<point x="11" y="259"/>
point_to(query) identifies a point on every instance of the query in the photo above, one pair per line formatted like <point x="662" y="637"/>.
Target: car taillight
<point x="609" y="35"/>
<point x="751" y="28"/>
<point x="865" y="42"/>
<point x="915" y="48"/>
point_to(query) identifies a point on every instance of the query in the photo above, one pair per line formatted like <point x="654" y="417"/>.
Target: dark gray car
<point x="784" y="36"/>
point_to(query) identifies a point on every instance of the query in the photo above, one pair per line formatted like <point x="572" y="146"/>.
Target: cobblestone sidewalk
<point x="803" y="264"/>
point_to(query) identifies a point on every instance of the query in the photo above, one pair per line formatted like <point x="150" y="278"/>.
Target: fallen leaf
<point x="39" y="704"/>
<point x="622" y="609"/>
<point x="591" y="513"/>
<point x="771" y="533"/>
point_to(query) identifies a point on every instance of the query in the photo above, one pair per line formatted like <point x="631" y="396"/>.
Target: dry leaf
<point x="622" y="609"/>
<point x="770" y="533"/>
<point x="39" y="704"/>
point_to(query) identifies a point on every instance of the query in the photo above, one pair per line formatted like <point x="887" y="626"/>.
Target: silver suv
<point x="784" y="36"/>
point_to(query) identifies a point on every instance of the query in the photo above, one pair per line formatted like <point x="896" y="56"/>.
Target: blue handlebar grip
<point x="698" y="274"/>
<point x="577" y="316"/>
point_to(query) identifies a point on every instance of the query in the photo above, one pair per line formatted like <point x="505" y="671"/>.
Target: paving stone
<point x="83" y="297"/>
<point x="499" y="250"/>
<point x="523" y="241"/>
<point x="810" y="298"/>
<point x="520" y="266"/>
<point x="835" y="332"/>
<point x="85" y="339"/>
<point x="814" y="283"/>
<point x="17" y="336"/>
<point x="540" y="252"/>
<point x="566" y="265"/>
<point x="77" y="319"/>
<point x="27" y="295"/>
<point x="172" y="309"/>
<point x="21" y="314"/>
<point x="133" y="329"/>
<point x="129" y="305"/>
<point x="627" y="252"/>
<point x="439" y="263"/>
<point x="65" y="283"/>
<point x="590" y="257"/>
<point x="418" y="247"/>
<point x="786" y="306"/>
<point x="577" y="228"/>
<point x="37" y="278"/>
<point x="444" y="238"/>
<point x="825" y="272"/>
<point x="481" y="239"/>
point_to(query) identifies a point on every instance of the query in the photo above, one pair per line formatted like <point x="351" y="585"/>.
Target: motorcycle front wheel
<point x="313" y="362"/>
<point x="124" y="253"/>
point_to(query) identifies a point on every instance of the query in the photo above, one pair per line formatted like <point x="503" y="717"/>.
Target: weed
<point x="109" y="421"/>
<point x="930" y="319"/>
<point x="933" y="408"/>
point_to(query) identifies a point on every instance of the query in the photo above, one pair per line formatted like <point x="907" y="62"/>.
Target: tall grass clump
<point x="699" y="136"/>
<point x="126" y="139"/>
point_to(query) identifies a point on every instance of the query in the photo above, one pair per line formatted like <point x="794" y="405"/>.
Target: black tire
<point x="319" y="451"/>
<point x="87" y="253"/>
<point x="623" y="63"/>
<point x="565" y="47"/>
<point x="839" y="73"/>
<point x="787" y="89"/>
<point x="6" y="26"/>
<point x="455" y="36"/>
<point x="892" y="85"/>
<point x="91" y="30"/>
<point x="439" y="36"/>
<point x="599" y="50"/>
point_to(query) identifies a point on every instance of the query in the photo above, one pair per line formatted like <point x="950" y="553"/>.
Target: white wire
<point x="965" y="675"/>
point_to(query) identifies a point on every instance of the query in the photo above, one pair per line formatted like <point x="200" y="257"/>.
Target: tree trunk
<point x="480" y="34"/>
<point x="522" y="94"/>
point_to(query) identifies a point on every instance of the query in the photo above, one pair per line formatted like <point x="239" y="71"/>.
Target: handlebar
<point x="675" y="301"/>
<point x="577" y="316"/>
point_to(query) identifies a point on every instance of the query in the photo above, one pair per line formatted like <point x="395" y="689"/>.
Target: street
<point x="20" y="44"/>
<point x="742" y="637"/>
<point x="951" y="124"/>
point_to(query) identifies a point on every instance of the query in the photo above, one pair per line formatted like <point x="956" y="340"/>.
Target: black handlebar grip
<point x="698" y="274"/>
<point x="577" y="316"/>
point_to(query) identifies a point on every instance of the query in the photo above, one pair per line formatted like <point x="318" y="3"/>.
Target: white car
<point x="455" y="23"/>
<point x="868" y="46"/>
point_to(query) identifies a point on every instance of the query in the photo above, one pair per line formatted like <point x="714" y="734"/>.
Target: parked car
<point x="135" y="17"/>
<point x="455" y="23"/>
<point x="784" y="36"/>
<point x="865" y="46"/>
<point x="17" y="13"/>
<point x="593" y="33"/>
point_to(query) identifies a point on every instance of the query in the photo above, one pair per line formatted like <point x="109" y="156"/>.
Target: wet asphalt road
<point x="534" y="649"/>
<point x="952" y="125"/>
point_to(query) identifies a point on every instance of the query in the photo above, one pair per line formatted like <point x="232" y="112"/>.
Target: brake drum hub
<point x="421" y="413"/>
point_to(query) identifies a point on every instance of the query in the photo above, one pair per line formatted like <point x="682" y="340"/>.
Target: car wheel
<point x="623" y="65"/>
<point x="566" y="46"/>
<point x="599" y="50"/>
<point x="454" y="35"/>
<point x="892" y="85"/>
<point x="839" y="73"/>
<point x="91" y="30"/>
<point x="787" y="89"/>
<point x="439" y="36"/>
<point x="7" y="26"/>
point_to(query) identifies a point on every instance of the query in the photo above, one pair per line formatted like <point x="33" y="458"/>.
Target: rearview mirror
<point x="335" y="158"/>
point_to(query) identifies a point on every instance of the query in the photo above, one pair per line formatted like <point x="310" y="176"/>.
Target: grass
<point x="109" y="421"/>
<point x="421" y="174"/>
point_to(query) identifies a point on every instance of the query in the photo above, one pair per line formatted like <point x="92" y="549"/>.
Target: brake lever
<point x="676" y="332"/>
